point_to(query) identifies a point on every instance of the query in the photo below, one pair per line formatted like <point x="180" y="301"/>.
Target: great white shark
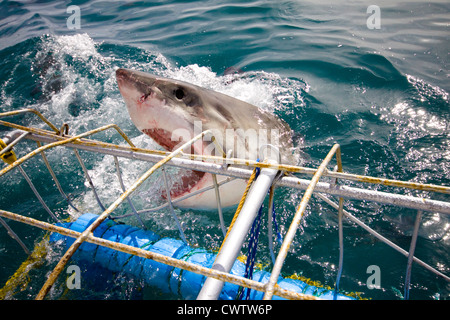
<point x="172" y="111"/>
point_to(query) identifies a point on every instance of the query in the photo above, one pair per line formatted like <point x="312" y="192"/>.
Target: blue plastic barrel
<point x="183" y="283"/>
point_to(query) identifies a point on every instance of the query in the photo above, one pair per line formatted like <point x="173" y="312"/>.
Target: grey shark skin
<point x="171" y="112"/>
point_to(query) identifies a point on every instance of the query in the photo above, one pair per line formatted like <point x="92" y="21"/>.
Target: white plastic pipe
<point x="233" y="243"/>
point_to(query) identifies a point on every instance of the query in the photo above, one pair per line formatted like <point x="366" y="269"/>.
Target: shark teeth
<point x="191" y="177"/>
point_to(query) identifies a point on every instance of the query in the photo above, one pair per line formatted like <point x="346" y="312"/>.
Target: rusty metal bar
<point x="286" y="181"/>
<point x="172" y="210"/>
<point x="22" y="111"/>
<point x="314" y="185"/>
<point x="146" y="155"/>
<point x="59" y="143"/>
<point x="88" y="178"/>
<point x="57" y="270"/>
<point x="13" y="235"/>
<point x="289" y="237"/>
<point x="381" y="238"/>
<point x="122" y="185"/>
<point x="36" y="193"/>
<point x="341" y="231"/>
<point x="219" y="205"/>
<point x="412" y="248"/>
<point x="165" y="205"/>
<point x="288" y="168"/>
<point x="55" y="179"/>
<point x="269" y="223"/>
<point x="241" y="281"/>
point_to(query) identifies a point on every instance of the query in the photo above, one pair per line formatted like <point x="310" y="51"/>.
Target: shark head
<point x="159" y="107"/>
<point x="170" y="112"/>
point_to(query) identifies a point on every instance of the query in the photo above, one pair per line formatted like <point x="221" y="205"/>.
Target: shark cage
<point x="173" y="265"/>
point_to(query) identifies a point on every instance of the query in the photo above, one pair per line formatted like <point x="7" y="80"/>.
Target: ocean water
<point x="322" y="66"/>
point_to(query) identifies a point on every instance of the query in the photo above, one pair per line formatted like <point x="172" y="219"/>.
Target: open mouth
<point x="190" y="178"/>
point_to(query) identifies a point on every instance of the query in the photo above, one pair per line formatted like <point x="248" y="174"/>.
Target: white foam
<point x="79" y="45"/>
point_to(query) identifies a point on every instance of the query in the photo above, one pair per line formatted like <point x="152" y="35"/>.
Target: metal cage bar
<point x="57" y="270"/>
<point x="290" y="234"/>
<point x="220" y="165"/>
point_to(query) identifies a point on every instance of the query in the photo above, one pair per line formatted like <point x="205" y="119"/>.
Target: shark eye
<point x="179" y="93"/>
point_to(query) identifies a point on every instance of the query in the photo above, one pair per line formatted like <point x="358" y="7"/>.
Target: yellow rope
<point x="317" y="284"/>
<point x="9" y="156"/>
<point x="241" y="204"/>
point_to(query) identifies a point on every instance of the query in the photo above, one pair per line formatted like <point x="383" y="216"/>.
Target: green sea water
<point x="382" y="94"/>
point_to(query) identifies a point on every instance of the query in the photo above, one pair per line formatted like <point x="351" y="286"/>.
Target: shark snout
<point x="142" y="82"/>
<point x="123" y="77"/>
<point x="135" y="76"/>
<point x="122" y="73"/>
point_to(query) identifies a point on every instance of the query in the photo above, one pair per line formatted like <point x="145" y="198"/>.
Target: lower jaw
<point x="162" y="138"/>
<point x="176" y="192"/>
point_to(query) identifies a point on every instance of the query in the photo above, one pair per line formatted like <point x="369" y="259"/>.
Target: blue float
<point x="168" y="279"/>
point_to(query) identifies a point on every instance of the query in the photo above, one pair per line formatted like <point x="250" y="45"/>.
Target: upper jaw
<point x="139" y="80"/>
<point x="136" y="76"/>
